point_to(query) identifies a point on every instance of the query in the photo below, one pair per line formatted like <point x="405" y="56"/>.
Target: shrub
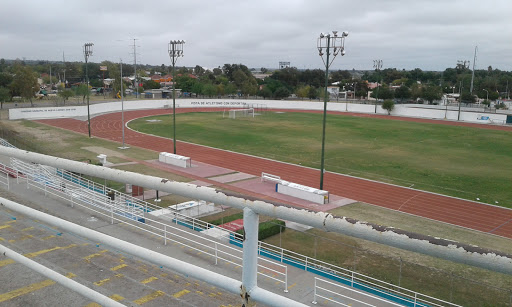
<point x="268" y="229"/>
<point x="388" y="105"/>
<point x="228" y="219"/>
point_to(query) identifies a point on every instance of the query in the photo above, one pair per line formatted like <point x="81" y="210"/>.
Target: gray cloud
<point x="429" y="34"/>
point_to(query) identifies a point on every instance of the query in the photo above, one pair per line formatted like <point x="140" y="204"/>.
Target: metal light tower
<point x="325" y="43"/>
<point x="122" y="105"/>
<point x="175" y="51"/>
<point x="87" y="54"/>
<point x="377" y="65"/>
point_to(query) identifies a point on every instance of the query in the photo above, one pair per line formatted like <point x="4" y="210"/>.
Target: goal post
<point x="234" y="113"/>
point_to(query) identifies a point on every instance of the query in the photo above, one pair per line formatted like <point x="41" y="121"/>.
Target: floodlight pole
<point x="87" y="53"/>
<point x="377" y="64"/>
<point x="122" y="104"/>
<point x="326" y="42"/>
<point x="175" y="51"/>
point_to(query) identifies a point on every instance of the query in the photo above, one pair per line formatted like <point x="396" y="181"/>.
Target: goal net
<point x="234" y="113"/>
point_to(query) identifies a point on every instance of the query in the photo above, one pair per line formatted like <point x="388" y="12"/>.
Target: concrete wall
<point x="409" y="110"/>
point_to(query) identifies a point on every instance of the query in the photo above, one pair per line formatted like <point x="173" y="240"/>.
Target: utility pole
<point x="50" y="74"/>
<point x="324" y="43"/>
<point x="64" y="62"/>
<point x="473" y="73"/>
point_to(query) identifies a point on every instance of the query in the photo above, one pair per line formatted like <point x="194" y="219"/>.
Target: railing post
<point x="111" y="211"/>
<point x="165" y="234"/>
<point x="415" y="298"/>
<point x="314" y="294"/>
<point x="285" y="279"/>
<point x="216" y="259"/>
<point x="352" y="283"/>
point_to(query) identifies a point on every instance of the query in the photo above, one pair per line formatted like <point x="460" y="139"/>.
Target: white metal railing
<point x="283" y="255"/>
<point x="4" y="179"/>
<point x="352" y="277"/>
<point x="336" y="291"/>
<point x="88" y="195"/>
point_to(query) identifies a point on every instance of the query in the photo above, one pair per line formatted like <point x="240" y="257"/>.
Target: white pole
<point x="62" y="280"/>
<point x="250" y="252"/>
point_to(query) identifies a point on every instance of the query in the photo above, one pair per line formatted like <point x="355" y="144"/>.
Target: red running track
<point x="451" y="210"/>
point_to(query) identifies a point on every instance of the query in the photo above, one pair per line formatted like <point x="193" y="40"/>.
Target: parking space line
<point x="104" y="281"/>
<point x="25" y="290"/>
<point x="115" y="297"/>
<point x="87" y="258"/>
<point x="4" y="226"/>
<point x="34" y="254"/>
<point x="148" y="280"/>
<point x="181" y="293"/>
<point x="27" y="229"/>
<point x="48" y="237"/>
<point x="44" y="251"/>
<point x="149" y="297"/>
<point x="118" y="267"/>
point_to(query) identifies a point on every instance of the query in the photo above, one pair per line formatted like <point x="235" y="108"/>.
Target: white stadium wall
<point x="408" y="110"/>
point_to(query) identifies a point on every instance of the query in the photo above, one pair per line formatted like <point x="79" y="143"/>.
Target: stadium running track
<point x="469" y="214"/>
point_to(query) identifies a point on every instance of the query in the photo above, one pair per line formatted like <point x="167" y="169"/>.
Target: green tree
<point x="403" y="92"/>
<point x="150" y="84"/>
<point x="65" y="94"/>
<point x="467" y="97"/>
<point x="303" y="91"/>
<point x="416" y="91"/>
<point x="249" y="87"/>
<point x="388" y="105"/>
<point x="199" y="71"/>
<point x="209" y="90"/>
<point x="24" y="83"/>
<point x="431" y="93"/>
<point x="282" y="93"/>
<point x="313" y="92"/>
<point x="5" y="95"/>
<point x="5" y="79"/>
<point x="383" y="92"/>
<point x="230" y="89"/>
<point x="82" y="90"/>
<point x="265" y="92"/>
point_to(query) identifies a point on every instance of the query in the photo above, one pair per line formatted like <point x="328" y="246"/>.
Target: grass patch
<point x="458" y="161"/>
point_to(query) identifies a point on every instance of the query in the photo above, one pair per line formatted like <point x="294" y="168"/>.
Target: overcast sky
<point x="405" y="34"/>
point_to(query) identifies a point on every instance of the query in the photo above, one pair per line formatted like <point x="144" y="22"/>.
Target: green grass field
<point x="459" y="161"/>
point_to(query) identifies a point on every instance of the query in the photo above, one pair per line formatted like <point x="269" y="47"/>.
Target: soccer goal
<point x="234" y="113"/>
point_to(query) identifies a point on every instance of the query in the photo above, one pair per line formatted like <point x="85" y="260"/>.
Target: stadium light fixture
<point x="175" y="51"/>
<point x="87" y="54"/>
<point x="325" y="43"/>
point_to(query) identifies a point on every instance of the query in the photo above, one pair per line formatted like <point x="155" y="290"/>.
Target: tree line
<point x="18" y="78"/>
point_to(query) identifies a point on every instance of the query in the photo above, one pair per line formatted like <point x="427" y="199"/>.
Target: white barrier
<point x="297" y="190"/>
<point x="175" y="160"/>
<point x="304" y="192"/>
<point x="408" y="110"/>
